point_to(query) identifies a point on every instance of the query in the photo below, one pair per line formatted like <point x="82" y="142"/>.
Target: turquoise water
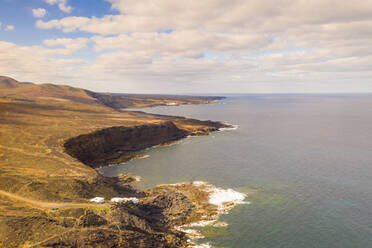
<point x="310" y="157"/>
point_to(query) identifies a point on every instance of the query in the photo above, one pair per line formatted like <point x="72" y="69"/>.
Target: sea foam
<point x="221" y="196"/>
<point x="223" y="199"/>
<point x="232" y="127"/>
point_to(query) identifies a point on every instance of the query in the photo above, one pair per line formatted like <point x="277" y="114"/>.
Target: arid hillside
<point x="10" y="88"/>
<point x="35" y="123"/>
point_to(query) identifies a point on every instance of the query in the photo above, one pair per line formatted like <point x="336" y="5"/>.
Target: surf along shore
<point x="52" y="138"/>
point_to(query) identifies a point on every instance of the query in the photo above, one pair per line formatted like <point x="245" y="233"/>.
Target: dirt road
<point x="51" y="205"/>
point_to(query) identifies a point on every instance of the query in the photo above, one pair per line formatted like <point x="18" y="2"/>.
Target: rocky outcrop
<point x="154" y="221"/>
<point x="150" y="223"/>
<point x="107" y="145"/>
<point x="90" y="219"/>
<point x="175" y="207"/>
<point x="45" y="199"/>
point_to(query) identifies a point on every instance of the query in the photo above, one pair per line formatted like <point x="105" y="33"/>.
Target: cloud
<point x="69" y="45"/>
<point x="184" y="43"/>
<point x="36" y="63"/>
<point x="139" y="71"/>
<point x="62" y="5"/>
<point x="221" y="45"/>
<point x="9" y="28"/>
<point x="39" y="13"/>
<point x="136" y="72"/>
<point x="68" y="24"/>
<point x="222" y="15"/>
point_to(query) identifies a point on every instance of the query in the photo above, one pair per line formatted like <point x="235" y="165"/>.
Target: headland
<point x="52" y="138"/>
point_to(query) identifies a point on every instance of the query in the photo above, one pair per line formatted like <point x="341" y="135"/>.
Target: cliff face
<point x="36" y="126"/>
<point x="108" y="145"/>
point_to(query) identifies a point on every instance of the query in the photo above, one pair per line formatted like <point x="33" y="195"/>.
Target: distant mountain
<point x="11" y="88"/>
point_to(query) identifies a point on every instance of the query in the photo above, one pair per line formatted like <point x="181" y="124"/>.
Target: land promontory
<point x="52" y="137"/>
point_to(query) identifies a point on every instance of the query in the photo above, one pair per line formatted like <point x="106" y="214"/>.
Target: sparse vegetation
<point x="35" y="123"/>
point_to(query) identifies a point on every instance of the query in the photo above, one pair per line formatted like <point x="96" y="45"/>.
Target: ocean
<point x="308" y="159"/>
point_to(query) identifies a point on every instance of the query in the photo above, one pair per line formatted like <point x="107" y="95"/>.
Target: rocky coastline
<point x="54" y="137"/>
<point x="162" y="215"/>
<point x="119" y="144"/>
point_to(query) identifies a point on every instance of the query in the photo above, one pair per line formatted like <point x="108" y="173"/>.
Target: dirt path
<point x="51" y="205"/>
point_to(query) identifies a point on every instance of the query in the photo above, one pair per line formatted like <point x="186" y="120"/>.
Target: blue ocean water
<point x="308" y="156"/>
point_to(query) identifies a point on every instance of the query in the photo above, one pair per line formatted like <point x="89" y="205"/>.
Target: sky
<point x="194" y="46"/>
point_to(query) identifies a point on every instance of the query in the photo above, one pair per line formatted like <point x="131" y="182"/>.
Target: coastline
<point x="51" y="197"/>
<point x="209" y="200"/>
<point x="139" y="108"/>
<point x="208" y="210"/>
<point x="120" y="144"/>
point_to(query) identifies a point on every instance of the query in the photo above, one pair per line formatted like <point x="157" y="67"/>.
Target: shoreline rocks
<point x="165" y="213"/>
<point x="105" y="146"/>
<point x="116" y="145"/>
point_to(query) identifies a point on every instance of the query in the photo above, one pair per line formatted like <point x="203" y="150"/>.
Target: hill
<point x="51" y="138"/>
<point x="11" y="88"/>
<point x="7" y="82"/>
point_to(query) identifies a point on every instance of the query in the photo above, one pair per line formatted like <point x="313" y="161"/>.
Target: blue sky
<point x="19" y="14"/>
<point x="169" y="46"/>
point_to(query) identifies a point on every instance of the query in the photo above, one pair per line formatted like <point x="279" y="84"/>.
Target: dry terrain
<point x="44" y="191"/>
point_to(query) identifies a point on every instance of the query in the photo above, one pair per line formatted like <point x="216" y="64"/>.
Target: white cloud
<point x="222" y="45"/>
<point x="142" y="73"/>
<point x="9" y="28"/>
<point x="51" y="2"/>
<point x="184" y="43"/>
<point x="69" y="45"/>
<point x="68" y="24"/>
<point x="62" y="5"/>
<point x="39" y="13"/>
<point x="35" y="63"/>
<point x="222" y="15"/>
<point x="138" y="71"/>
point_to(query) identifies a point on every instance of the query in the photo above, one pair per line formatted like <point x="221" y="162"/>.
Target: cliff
<point x="48" y="136"/>
<point x="107" y="145"/>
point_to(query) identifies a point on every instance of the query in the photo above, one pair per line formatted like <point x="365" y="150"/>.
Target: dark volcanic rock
<point x="89" y="218"/>
<point x="175" y="207"/>
<point x="102" y="238"/>
<point x="104" y="146"/>
<point x="123" y="225"/>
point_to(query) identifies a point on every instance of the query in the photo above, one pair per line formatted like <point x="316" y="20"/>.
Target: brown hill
<point x="7" y="82"/>
<point x="12" y="89"/>
<point x="50" y="138"/>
